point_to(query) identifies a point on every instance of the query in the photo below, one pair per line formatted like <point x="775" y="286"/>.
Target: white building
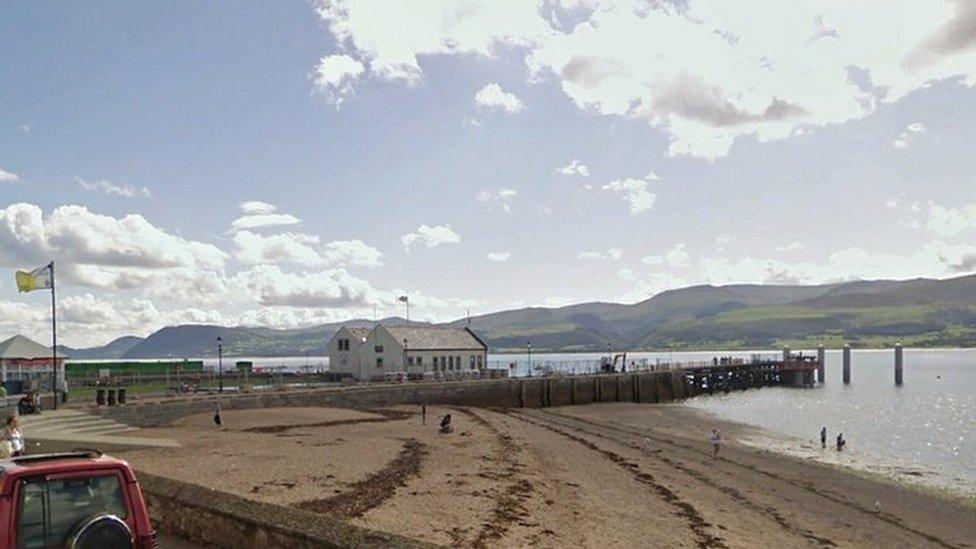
<point x="414" y="350"/>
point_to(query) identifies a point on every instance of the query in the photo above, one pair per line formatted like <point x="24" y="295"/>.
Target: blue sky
<point x="291" y="163"/>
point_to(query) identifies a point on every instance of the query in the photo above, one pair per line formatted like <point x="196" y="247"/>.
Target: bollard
<point x="899" y="363"/>
<point x="847" y="364"/>
<point x="822" y="359"/>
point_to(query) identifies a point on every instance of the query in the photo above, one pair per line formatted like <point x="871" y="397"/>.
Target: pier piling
<point x="822" y="359"/>
<point x="899" y="363"/>
<point x="847" y="364"/>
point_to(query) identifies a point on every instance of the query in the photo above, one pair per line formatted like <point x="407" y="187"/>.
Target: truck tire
<point x="101" y="531"/>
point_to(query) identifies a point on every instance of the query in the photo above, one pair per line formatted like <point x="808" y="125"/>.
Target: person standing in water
<point x="823" y="438"/>
<point x="716" y="440"/>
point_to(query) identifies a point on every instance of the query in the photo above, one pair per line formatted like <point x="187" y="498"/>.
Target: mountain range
<point x="919" y="312"/>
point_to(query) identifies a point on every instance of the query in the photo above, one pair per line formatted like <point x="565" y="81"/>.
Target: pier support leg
<point x="822" y="359"/>
<point x="899" y="363"/>
<point x="847" y="364"/>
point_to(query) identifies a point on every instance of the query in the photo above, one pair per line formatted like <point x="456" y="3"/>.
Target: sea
<point x="923" y="431"/>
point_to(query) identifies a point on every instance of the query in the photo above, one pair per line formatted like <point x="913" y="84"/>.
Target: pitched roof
<point x="361" y="333"/>
<point x="22" y="347"/>
<point x="436" y="338"/>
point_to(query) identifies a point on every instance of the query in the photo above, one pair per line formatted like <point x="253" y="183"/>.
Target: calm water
<point x="928" y="424"/>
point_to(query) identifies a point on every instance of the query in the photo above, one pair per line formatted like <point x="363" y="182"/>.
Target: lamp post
<point x="528" y="348"/>
<point x="405" y="357"/>
<point x="220" y="363"/>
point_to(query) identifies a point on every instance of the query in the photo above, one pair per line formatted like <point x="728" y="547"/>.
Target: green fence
<point x="161" y="367"/>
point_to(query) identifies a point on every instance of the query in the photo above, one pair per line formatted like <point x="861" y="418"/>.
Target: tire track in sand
<point x="509" y="502"/>
<point x="696" y="523"/>
<point x="812" y="488"/>
<point x="733" y="493"/>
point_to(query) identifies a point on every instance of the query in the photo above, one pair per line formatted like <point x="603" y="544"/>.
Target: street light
<point x="220" y="362"/>
<point x="528" y="347"/>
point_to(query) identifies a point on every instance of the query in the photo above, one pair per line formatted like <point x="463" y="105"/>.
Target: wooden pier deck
<point x="724" y="375"/>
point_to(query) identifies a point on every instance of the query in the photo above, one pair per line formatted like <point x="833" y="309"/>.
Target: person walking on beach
<point x="423" y="414"/>
<point x="216" y="417"/>
<point x="823" y="438"/>
<point x="716" y="440"/>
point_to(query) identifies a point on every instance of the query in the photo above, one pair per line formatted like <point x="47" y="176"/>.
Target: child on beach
<point x="647" y="446"/>
<point x="823" y="438"/>
<point x="13" y="435"/>
<point x="841" y="442"/>
<point x="216" y="417"/>
<point x="716" y="440"/>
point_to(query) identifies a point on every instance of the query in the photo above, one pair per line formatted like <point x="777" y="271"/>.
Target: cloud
<point x="255" y="249"/>
<point x="352" y="253"/>
<point x="328" y="288"/>
<point x="791" y="247"/>
<point x="950" y="221"/>
<point x="636" y="192"/>
<point x="259" y="215"/>
<point x="689" y="97"/>
<point x="303" y="249"/>
<point x="107" y="187"/>
<point x="493" y="97"/>
<point x="336" y="76"/>
<point x="107" y="252"/>
<point x="702" y="73"/>
<point x="8" y="177"/>
<point x="431" y="237"/>
<point x="934" y="259"/>
<point x="575" y="167"/>
<point x="822" y="30"/>
<point x="499" y="257"/>
<point x="908" y="136"/>
<point x="676" y="257"/>
<point x="955" y="36"/>
<point x="612" y="254"/>
<point x="502" y="197"/>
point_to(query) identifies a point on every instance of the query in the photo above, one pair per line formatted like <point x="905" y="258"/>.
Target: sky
<point x="297" y="162"/>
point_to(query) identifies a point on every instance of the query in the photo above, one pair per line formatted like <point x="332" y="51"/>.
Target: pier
<point x="728" y="374"/>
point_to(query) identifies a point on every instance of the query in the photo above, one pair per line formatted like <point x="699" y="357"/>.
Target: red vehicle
<point x="76" y="500"/>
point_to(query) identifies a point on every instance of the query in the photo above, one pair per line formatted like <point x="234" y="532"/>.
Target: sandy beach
<point x="559" y="477"/>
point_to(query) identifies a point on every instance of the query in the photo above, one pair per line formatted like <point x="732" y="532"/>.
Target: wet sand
<point x="573" y="476"/>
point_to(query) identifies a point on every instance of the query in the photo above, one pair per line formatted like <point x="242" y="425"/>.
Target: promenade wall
<point x="662" y="386"/>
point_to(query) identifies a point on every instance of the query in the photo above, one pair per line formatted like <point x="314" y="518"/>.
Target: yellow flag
<point x="38" y="279"/>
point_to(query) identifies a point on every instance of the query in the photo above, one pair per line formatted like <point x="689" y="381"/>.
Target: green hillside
<point x="920" y="313"/>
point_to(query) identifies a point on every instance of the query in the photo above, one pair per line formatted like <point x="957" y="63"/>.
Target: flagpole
<point x="54" y="338"/>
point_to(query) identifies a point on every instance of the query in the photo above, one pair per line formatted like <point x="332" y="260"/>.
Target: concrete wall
<point x="219" y="519"/>
<point x="501" y="393"/>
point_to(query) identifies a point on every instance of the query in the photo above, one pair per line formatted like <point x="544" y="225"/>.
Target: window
<point x="457" y="361"/>
<point x="435" y="362"/>
<point x="50" y="509"/>
<point x="471" y="359"/>
<point x="343" y="344"/>
<point x="410" y="360"/>
<point x="420" y="361"/>
<point x="479" y="362"/>
<point x="378" y="349"/>
<point x="443" y="363"/>
<point x="379" y="362"/>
